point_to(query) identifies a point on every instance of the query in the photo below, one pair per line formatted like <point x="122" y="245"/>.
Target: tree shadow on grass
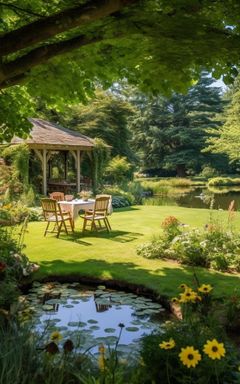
<point x="118" y="236"/>
<point x="167" y="279"/>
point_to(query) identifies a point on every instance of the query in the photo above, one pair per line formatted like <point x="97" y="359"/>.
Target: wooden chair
<point x="59" y="196"/>
<point x="98" y="216"/>
<point x="53" y="214"/>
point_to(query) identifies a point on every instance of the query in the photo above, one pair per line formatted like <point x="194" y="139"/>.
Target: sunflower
<point x="214" y="349"/>
<point x="205" y="288"/>
<point x="56" y="336"/>
<point x="189" y="356"/>
<point x="167" y="344"/>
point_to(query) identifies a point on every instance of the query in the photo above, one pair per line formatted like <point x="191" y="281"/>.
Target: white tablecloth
<point x="76" y="205"/>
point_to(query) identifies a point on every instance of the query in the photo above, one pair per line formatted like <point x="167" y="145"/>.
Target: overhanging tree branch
<point x="41" y="30"/>
<point x="40" y="55"/>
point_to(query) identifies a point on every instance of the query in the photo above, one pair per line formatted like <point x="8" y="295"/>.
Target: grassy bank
<point x="113" y="256"/>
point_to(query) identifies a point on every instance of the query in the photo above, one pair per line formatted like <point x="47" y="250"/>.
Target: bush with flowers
<point x="215" y="246"/>
<point x="14" y="265"/>
<point x="192" y="350"/>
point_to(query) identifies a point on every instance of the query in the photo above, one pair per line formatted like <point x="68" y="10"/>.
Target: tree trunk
<point x="181" y="170"/>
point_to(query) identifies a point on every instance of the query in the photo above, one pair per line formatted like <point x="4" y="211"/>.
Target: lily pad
<point x="94" y="327"/>
<point x="74" y="323"/>
<point x="132" y="329"/>
<point x="109" y="330"/>
<point x="92" y="321"/>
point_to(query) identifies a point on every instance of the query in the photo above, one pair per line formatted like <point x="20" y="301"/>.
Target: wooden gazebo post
<point x="44" y="167"/>
<point x="78" y="170"/>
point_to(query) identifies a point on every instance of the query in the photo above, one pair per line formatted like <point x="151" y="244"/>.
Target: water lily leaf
<point x="109" y="330"/>
<point x="132" y="329"/>
<point x="73" y="323"/>
<point x="111" y="339"/>
<point x="68" y="306"/>
<point x="92" y="321"/>
<point x="95" y="328"/>
<point x="81" y="324"/>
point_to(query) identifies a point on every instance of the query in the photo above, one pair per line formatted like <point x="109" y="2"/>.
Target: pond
<point x="219" y="198"/>
<point x="91" y="317"/>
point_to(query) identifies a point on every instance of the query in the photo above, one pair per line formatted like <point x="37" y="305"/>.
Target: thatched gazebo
<point x="47" y="138"/>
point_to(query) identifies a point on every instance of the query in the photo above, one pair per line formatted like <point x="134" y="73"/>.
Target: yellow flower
<point x="184" y="286"/>
<point x="188" y="296"/>
<point x="167" y="344"/>
<point x="214" y="349"/>
<point x="175" y="300"/>
<point x="205" y="288"/>
<point x="189" y="356"/>
<point x="56" y="336"/>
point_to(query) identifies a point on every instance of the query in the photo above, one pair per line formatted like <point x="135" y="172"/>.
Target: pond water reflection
<point x="198" y="197"/>
<point x="91" y="317"/>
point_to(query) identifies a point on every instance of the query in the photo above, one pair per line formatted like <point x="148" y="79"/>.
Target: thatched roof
<point x="46" y="134"/>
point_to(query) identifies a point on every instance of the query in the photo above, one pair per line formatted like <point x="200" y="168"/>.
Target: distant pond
<point x="201" y="197"/>
<point x="91" y="317"/>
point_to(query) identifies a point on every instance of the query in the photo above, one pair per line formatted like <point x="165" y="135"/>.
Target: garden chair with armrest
<point x="53" y="214"/>
<point x="98" y="215"/>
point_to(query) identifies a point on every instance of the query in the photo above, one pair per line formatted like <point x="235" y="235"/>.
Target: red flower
<point x="3" y="266"/>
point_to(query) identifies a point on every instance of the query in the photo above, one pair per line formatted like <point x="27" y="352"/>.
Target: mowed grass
<point x="113" y="256"/>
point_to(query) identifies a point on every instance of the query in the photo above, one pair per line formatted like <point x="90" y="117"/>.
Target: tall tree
<point x="60" y="49"/>
<point x="104" y="117"/>
<point x="171" y="133"/>
<point x="227" y="139"/>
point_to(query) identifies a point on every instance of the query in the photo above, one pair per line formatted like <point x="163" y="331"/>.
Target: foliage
<point x="226" y="140"/>
<point x="214" y="247"/>
<point x="118" y="170"/>
<point x="36" y="358"/>
<point x="105" y="117"/>
<point x="171" y="228"/>
<point x="100" y="155"/>
<point x="184" y="352"/>
<point x="223" y="181"/>
<point x="15" y="213"/>
<point x="120" y="198"/>
<point x="10" y="185"/>
<point x="191" y="36"/>
<point x="18" y="155"/>
<point x="14" y="265"/>
<point x="170" y="133"/>
<point x="208" y="172"/>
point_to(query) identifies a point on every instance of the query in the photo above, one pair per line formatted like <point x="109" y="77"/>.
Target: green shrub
<point x="223" y="181"/>
<point x="120" y="198"/>
<point x="208" y="172"/>
<point x="119" y="170"/>
<point x="120" y="202"/>
<point x="213" y="247"/>
<point x="14" y="265"/>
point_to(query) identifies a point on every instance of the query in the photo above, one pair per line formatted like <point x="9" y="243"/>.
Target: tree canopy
<point x="227" y="139"/>
<point x="170" y="133"/>
<point x="59" y="50"/>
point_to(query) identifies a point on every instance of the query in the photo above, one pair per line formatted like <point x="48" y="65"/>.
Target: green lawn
<point x="113" y="256"/>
